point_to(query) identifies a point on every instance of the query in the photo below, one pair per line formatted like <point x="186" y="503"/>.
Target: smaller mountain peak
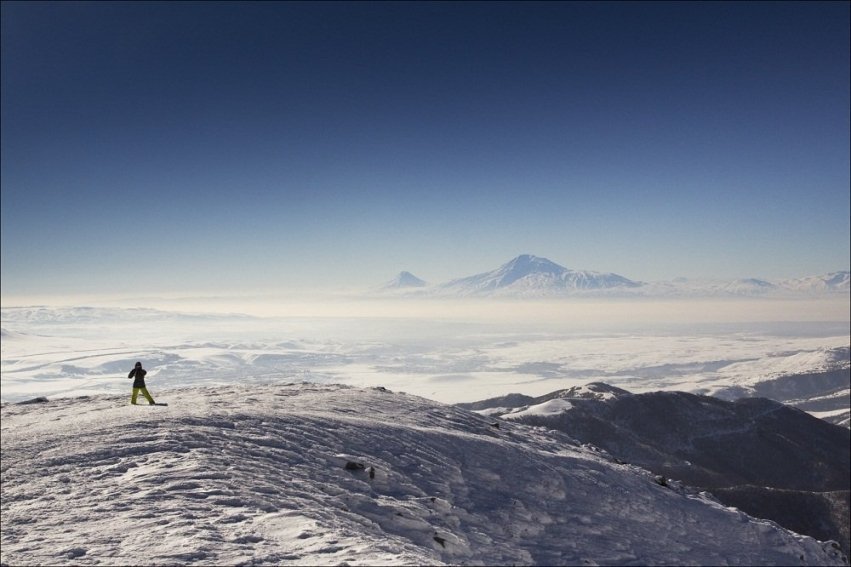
<point x="404" y="280"/>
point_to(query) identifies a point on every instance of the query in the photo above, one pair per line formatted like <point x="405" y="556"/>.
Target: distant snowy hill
<point x="816" y="381"/>
<point x="532" y="276"/>
<point x="686" y="287"/>
<point x="764" y="455"/>
<point x="836" y="281"/>
<point x="517" y="405"/>
<point x="308" y="474"/>
<point x="749" y="286"/>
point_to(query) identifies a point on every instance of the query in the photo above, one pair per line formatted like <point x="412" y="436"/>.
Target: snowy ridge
<point x="825" y="359"/>
<point x="816" y="381"/>
<point x="307" y="474"/>
<point x="836" y="281"/>
<point x="515" y="406"/>
<point x="757" y="450"/>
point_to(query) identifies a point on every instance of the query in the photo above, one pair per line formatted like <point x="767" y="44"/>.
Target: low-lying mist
<point x="574" y="312"/>
<point x="450" y="351"/>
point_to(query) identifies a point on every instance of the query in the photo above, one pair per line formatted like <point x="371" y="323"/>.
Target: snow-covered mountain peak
<point x="525" y="265"/>
<point x="404" y="280"/>
<point x="529" y="275"/>
<point x="325" y="474"/>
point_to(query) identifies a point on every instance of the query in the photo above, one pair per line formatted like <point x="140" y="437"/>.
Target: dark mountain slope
<point x="753" y="452"/>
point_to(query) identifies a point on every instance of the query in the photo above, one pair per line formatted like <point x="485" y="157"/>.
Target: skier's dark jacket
<point x="139" y="374"/>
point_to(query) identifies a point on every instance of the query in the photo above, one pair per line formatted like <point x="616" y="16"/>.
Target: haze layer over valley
<point x="446" y="351"/>
<point x="308" y="387"/>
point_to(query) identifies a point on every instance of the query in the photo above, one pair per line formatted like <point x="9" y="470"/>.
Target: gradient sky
<point x="226" y="147"/>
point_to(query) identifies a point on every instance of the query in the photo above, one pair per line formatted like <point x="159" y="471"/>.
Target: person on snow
<point x="139" y="384"/>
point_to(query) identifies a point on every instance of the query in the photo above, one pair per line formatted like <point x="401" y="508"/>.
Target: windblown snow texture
<point x="774" y="461"/>
<point x="308" y="474"/>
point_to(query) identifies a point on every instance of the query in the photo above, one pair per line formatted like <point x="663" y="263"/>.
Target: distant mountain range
<point x="771" y="460"/>
<point x="533" y="276"/>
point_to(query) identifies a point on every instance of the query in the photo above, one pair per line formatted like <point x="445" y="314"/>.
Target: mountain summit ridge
<point x="771" y="460"/>
<point x="295" y="474"/>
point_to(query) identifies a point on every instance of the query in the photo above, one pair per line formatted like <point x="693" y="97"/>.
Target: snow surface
<point x="256" y="474"/>
<point x="776" y="364"/>
<point x="550" y="407"/>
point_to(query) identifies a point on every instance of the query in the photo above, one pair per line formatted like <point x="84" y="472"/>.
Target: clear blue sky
<point x="216" y="147"/>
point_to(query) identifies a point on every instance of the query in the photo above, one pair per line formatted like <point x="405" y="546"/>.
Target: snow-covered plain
<point x="58" y="352"/>
<point x="257" y="474"/>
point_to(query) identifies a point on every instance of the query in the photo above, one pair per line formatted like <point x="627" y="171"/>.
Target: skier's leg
<point x="134" y="396"/>
<point x="147" y="396"/>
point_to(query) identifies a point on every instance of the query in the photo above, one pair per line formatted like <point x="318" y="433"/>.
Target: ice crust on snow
<point x="257" y="474"/>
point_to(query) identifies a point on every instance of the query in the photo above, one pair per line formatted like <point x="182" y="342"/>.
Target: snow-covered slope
<point x="531" y="275"/>
<point x="762" y="451"/>
<point x="554" y="403"/>
<point x="817" y="381"/>
<point x="307" y="474"/>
